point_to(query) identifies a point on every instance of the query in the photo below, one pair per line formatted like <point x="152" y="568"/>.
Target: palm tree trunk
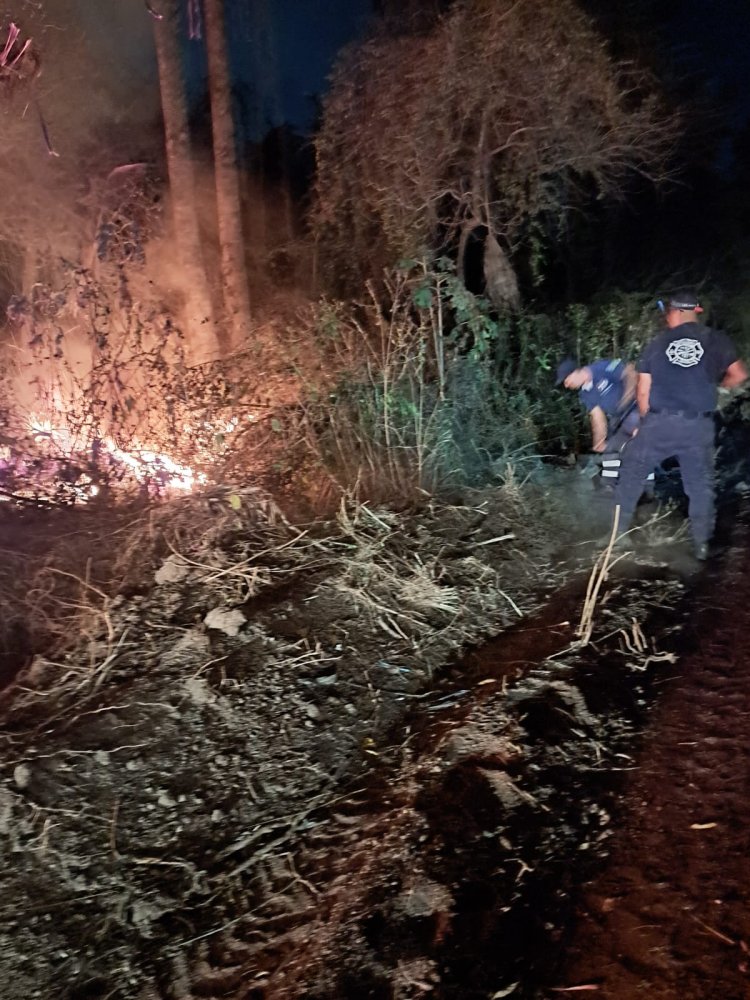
<point x="228" y="205"/>
<point x="202" y="339"/>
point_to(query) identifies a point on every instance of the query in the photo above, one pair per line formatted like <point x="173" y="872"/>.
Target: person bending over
<point x="607" y="390"/>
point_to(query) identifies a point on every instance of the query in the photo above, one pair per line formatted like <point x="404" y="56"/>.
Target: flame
<point x="41" y="428"/>
<point x="147" y="465"/>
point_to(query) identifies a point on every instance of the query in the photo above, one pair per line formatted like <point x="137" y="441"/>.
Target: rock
<point x="326" y="680"/>
<point x="227" y="621"/>
<point x="199" y="691"/>
<point x="471" y="742"/>
<point x="6" y="810"/>
<point x="506" y="790"/>
<point x="191" y="648"/>
<point x="173" y="570"/>
<point x="41" y="672"/>
<point x="425" y="897"/>
<point x="22" y="775"/>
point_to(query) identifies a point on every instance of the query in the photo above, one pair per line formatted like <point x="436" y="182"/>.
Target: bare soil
<point x="369" y="758"/>
<point x="667" y="917"/>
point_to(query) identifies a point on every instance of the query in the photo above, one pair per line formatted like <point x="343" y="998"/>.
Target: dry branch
<point x="498" y="113"/>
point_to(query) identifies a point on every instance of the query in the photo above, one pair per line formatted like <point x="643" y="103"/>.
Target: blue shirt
<point x="686" y="365"/>
<point x="606" y="386"/>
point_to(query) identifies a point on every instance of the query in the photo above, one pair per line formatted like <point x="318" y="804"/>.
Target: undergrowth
<point x="434" y="389"/>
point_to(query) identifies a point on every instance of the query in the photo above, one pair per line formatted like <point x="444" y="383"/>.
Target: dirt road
<point x="668" y="916"/>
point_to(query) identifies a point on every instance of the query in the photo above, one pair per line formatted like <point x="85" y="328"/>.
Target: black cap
<point x="685" y="299"/>
<point x="566" y="366"/>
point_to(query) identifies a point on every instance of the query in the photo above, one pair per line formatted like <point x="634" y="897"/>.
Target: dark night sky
<point x="714" y="36"/>
<point x="699" y="49"/>
<point x="283" y="50"/>
<point x="301" y="39"/>
<point x="308" y="35"/>
<point x="714" y="39"/>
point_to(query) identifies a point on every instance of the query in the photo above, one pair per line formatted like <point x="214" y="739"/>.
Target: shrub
<point x="434" y="390"/>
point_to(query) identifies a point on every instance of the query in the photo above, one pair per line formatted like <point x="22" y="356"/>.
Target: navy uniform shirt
<point x="606" y="386"/>
<point x="686" y="365"/>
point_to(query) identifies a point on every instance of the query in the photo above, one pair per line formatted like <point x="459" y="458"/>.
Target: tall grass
<point x="434" y="390"/>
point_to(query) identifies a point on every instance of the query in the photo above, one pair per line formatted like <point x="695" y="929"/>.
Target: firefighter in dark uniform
<point x="607" y="390"/>
<point x="678" y="375"/>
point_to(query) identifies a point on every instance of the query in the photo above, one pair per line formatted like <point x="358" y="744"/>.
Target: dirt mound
<point x="159" y="766"/>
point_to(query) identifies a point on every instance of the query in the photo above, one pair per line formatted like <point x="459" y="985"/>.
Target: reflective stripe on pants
<point x="611" y="469"/>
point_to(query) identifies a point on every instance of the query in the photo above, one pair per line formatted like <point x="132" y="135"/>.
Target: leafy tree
<point x="499" y="113"/>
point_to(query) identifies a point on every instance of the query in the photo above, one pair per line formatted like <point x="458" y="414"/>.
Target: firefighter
<point x="678" y="375"/>
<point x="607" y="390"/>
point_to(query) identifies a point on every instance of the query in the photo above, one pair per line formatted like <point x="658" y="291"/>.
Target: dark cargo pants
<point x="689" y="439"/>
<point x="621" y="430"/>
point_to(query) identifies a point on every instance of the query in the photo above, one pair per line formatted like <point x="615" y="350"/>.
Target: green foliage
<point x="438" y="391"/>
<point x="536" y="249"/>
<point x="734" y="315"/>
<point x="419" y="405"/>
<point x="618" y="326"/>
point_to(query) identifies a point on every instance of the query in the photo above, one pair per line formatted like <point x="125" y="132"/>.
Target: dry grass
<point x="82" y="580"/>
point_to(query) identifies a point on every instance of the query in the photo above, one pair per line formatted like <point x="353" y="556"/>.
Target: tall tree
<point x="228" y="205"/>
<point x="203" y="342"/>
<point x="499" y="113"/>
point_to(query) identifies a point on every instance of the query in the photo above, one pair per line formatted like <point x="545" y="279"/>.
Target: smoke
<point x="99" y="64"/>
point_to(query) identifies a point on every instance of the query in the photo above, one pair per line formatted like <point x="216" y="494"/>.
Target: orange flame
<point x="145" y="464"/>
